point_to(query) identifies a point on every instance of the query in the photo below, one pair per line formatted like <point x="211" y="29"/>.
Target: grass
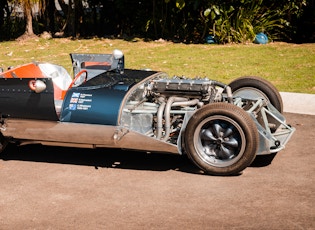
<point x="289" y="67"/>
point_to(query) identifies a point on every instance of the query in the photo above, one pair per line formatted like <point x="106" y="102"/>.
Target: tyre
<point x="257" y="87"/>
<point x="221" y="139"/>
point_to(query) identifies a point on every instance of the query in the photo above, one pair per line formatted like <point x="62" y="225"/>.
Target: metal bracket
<point x="120" y="133"/>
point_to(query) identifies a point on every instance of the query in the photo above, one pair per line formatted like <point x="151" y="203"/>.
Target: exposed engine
<point x="158" y="108"/>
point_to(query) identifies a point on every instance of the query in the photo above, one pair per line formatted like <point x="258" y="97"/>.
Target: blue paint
<point x="92" y="105"/>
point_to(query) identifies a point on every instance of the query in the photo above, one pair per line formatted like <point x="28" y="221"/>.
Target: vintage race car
<point x="221" y="128"/>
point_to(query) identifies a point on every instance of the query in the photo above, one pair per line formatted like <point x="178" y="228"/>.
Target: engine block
<point x="178" y="86"/>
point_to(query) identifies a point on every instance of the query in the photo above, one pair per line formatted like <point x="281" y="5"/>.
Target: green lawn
<point x="290" y="67"/>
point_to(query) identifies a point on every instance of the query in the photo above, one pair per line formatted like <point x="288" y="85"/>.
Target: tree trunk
<point x="78" y="18"/>
<point x="51" y="15"/>
<point x="2" y="6"/>
<point x="28" y="18"/>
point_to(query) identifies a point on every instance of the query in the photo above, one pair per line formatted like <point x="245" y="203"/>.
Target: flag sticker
<point x="72" y="106"/>
<point x="74" y="94"/>
<point x="74" y="100"/>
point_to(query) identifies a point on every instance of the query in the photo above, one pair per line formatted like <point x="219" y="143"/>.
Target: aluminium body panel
<point x="77" y="135"/>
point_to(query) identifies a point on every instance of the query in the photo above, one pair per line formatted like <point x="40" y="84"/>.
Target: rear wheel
<point x="253" y="87"/>
<point x="221" y="139"/>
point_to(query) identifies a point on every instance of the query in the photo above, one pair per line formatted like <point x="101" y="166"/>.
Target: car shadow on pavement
<point x="100" y="158"/>
<point x="110" y="158"/>
<point x="263" y="160"/>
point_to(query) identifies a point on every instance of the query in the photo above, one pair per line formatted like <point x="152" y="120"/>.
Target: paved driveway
<point x="68" y="188"/>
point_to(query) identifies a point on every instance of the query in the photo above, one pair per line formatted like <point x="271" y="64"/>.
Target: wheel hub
<point x="219" y="140"/>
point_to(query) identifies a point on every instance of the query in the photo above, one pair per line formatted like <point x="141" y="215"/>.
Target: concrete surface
<point x="68" y="188"/>
<point x="298" y="103"/>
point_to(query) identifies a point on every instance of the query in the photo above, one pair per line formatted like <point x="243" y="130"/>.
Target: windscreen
<point x="57" y="73"/>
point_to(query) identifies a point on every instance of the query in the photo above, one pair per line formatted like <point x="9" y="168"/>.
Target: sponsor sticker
<point x="80" y="101"/>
